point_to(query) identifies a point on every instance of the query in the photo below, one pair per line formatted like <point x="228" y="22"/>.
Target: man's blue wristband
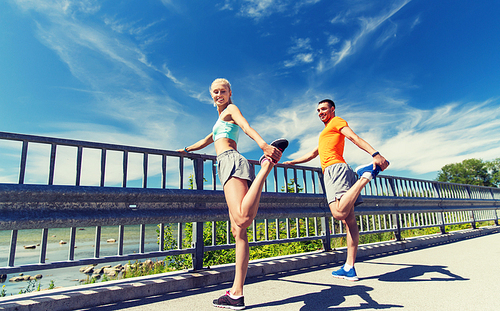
<point x="376" y="153"/>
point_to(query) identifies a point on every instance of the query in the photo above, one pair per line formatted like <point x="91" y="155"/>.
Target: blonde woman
<point x="242" y="188"/>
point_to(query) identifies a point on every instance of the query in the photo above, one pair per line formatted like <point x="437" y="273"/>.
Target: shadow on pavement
<point x="412" y="271"/>
<point x="325" y="299"/>
<point x="322" y="300"/>
<point x="331" y="297"/>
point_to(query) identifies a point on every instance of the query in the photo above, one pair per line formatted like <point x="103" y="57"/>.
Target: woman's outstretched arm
<point x="199" y="144"/>
<point x="269" y="151"/>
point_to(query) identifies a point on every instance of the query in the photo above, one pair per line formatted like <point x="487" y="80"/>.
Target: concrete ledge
<point x="91" y="295"/>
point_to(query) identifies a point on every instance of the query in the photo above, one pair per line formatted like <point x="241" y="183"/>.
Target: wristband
<point x="185" y="149"/>
<point x="376" y="153"/>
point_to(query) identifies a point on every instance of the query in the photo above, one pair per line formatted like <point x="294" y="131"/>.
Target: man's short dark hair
<point x="328" y="101"/>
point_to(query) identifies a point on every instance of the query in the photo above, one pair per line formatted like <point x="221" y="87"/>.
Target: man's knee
<point x="337" y="213"/>
<point x="340" y="216"/>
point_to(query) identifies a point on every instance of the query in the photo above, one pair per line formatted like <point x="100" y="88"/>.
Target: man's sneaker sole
<point x="352" y="279"/>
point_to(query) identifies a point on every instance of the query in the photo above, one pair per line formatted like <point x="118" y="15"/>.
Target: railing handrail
<point x="43" y="206"/>
<point x="405" y="201"/>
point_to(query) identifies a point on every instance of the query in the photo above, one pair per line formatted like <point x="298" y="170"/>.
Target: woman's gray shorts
<point x="339" y="178"/>
<point x="231" y="163"/>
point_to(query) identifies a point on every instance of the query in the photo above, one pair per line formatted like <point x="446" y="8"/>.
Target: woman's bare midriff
<point x="224" y="144"/>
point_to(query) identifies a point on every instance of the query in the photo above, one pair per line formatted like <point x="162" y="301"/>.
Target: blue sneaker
<point x="368" y="168"/>
<point x="342" y="274"/>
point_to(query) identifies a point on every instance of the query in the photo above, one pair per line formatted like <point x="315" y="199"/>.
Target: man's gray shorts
<point x="231" y="163"/>
<point x="338" y="179"/>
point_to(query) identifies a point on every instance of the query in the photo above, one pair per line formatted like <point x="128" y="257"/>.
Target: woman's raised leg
<point x="243" y="202"/>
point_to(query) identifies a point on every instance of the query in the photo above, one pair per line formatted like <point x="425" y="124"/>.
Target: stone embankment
<point x="21" y="277"/>
<point x="117" y="271"/>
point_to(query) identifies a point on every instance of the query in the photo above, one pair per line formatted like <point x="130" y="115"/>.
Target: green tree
<point x="291" y="187"/>
<point x="469" y="171"/>
<point x="494" y="171"/>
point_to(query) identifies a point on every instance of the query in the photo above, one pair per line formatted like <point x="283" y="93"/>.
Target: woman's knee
<point x="242" y="220"/>
<point x="238" y="231"/>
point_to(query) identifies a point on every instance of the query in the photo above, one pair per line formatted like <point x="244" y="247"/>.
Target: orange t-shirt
<point x="331" y="143"/>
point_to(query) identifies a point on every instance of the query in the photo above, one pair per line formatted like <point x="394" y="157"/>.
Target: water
<point x="85" y="240"/>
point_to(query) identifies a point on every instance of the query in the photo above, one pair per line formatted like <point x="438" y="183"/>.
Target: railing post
<point x="52" y="165"/>
<point x="198" y="243"/>
<point x="397" y="223"/>
<point x="12" y="249"/>
<point x="97" y="249"/>
<point x="121" y="233"/>
<point x="198" y="174"/>
<point x="43" y="250"/>
<point x="442" y="225"/>
<point x="473" y="219"/>
<point x="392" y="187"/>
<point x="198" y="246"/>
<point x="142" y="238"/>
<point x="161" y="238"/>
<point x="325" y="227"/>
<point x="321" y="182"/>
<point x="79" y="157"/>
<point x="22" y="166"/>
<point x="437" y="188"/>
<point x="72" y="240"/>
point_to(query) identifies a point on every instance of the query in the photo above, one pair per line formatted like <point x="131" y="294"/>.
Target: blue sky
<point x="419" y="80"/>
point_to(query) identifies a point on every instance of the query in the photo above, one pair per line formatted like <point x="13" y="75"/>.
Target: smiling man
<point x="341" y="184"/>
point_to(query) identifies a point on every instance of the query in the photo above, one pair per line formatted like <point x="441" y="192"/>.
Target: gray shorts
<point x="338" y="179"/>
<point x="231" y="163"/>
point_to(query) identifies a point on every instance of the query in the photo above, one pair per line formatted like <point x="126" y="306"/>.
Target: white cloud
<point x="341" y="18"/>
<point x="420" y="141"/>
<point x="332" y="40"/>
<point x="258" y="9"/>
<point x="301" y="52"/>
<point x="59" y="7"/>
<point x="302" y="58"/>
<point x="416" y="22"/>
<point x="118" y="74"/>
<point x="300" y="44"/>
<point x="338" y="56"/>
<point x="80" y="47"/>
<point x="367" y="25"/>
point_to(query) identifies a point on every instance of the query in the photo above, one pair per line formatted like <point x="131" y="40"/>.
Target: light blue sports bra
<point x="223" y="129"/>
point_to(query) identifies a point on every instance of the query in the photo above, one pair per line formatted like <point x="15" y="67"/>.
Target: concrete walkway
<point x="457" y="273"/>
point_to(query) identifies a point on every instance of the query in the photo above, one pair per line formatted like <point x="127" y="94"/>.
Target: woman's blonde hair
<point x="221" y="80"/>
<point x="226" y="83"/>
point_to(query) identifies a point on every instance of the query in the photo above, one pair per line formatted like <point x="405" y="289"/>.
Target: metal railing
<point x="171" y="189"/>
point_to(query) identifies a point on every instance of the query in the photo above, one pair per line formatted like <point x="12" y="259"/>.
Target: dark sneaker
<point x="347" y="275"/>
<point x="281" y="144"/>
<point x="229" y="303"/>
<point x="262" y="158"/>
